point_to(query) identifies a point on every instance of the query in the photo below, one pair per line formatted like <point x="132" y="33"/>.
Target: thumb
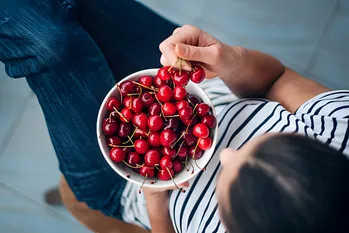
<point x="193" y="53"/>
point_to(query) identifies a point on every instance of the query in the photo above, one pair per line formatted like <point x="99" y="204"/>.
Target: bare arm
<point x="261" y="75"/>
<point x="157" y="206"/>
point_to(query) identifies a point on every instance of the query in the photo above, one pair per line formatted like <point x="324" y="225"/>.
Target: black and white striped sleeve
<point x="327" y="115"/>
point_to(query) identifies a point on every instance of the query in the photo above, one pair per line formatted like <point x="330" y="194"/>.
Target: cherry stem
<point x="140" y="189"/>
<point x="120" y="92"/>
<point x="185" y="162"/>
<point x="180" y="147"/>
<point x="194" y="154"/>
<point x="116" y="146"/>
<point x="187" y="64"/>
<point x="173" y="116"/>
<point x="134" y="167"/>
<point x="156" y="166"/>
<point x="132" y="94"/>
<point x="180" y="189"/>
<point x="153" y="89"/>
<point x="177" y="140"/>
<point x="121" y="115"/>
<point x="156" y="97"/>
<point x="186" y="130"/>
<point x="169" y="69"/>
<point x="130" y="139"/>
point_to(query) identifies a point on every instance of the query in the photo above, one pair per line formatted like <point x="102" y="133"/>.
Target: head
<point x="284" y="183"/>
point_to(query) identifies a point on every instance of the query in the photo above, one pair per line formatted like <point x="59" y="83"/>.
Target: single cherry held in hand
<point x="156" y="127"/>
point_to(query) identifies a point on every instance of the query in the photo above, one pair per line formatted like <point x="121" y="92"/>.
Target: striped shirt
<point x="325" y="117"/>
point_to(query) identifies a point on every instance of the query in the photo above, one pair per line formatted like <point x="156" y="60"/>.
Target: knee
<point x="33" y="42"/>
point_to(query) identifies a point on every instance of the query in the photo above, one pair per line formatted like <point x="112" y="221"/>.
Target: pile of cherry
<point x="156" y="126"/>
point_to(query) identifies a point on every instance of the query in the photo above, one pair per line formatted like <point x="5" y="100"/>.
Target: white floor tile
<point x="20" y="214"/>
<point x="287" y="29"/>
<point x="29" y="163"/>
<point x="330" y="60"/>
<point x="14" y="96"/>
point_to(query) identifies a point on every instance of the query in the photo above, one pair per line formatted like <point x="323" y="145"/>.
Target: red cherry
<point x="147" y="171"/>
<point x="154" y="139"/>
<point x="155" y="123"/>
<point x="172" y="123"/>
<point x="137" y="105"/>
<point x="169" y="109"/>
<point x="177" y="166"/>
<point x="127" y="150"/>
<point x="192" y="121"/>
<point x="146" y="81"/>
<point x="179" y="93"/>
<point x="125" y="129"/>
<point x="165" y="175"/>
<point x="164" y="74"/>
<point x="112" y="103"/>
<point x="133" y="158"/>
<point x="197" y="75"/>
<point x="117" y="155"/>
<point x="114" y="140"/>
<point x="154" y="109"/>
<point x="195" y="153"/>
<point x="183" y="152"/>
<point x="147" y="99"/>
<point x="210" y="121"/>
<point x="141" y="133"/>
<point x="189" y="139"/>
<point x="152" y="157"/>
<point x="166" y="162"/>
<point x="201" y="131"/>
<point x="126" y="115"/>
<point x="158" y="82"/>
<point x="110" y="128"/>
<point x="164" y="94"/>
<point x="167" y="151"/>
<point x="180" y="78"/>
<point x="128" y="101"/>
<point x="109" y="121"/>
<point x="202" y="109"/>
<point x="127" y="87"/>
<point x="181" y="104"/>
<point x="194" y="100"/>
<point x="140" y="120"/>
<point x="141" y="146"/>
<point x="185" y="113"/>
<point x="205" y="143"/>
<point x="167" y="137"/>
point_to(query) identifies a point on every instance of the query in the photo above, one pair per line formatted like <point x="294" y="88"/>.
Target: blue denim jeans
<point x="43" y="41"/>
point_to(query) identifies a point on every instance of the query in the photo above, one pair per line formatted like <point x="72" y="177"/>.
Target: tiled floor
<point x="310" y="36"/>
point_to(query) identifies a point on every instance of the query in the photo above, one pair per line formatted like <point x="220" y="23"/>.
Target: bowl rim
<point x="113" y="165"/>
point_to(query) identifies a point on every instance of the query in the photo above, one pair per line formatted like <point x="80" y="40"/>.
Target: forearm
<point x="157" y="206"/>
<point x="254" y="73"/>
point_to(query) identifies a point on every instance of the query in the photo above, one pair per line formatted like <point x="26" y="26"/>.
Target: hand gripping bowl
<point x="127" y="172"/>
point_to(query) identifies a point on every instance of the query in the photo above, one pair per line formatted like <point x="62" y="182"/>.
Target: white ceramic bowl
<point x="122" y="170"/>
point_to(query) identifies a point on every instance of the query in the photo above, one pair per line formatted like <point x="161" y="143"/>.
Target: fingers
<point x="186" y="35"/>
<point x="194" y="53"/>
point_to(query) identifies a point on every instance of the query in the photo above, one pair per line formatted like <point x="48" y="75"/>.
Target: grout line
<point x="320" y="38"/>
<point x="10" y="132"/>
<point x="42" y="204"/>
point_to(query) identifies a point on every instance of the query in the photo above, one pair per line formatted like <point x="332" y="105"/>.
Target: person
<point x="286" y="166"/>
<point x="280" y="163"/>
<point x="71" y="79"/>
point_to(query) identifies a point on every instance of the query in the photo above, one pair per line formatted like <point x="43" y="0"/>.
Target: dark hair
<point x="291" y="184"/>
